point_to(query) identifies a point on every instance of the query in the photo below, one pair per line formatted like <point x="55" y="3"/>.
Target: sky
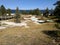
<point x="28" y="4"/>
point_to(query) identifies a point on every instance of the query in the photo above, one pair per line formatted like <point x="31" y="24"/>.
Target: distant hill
<point x="13" y="11"/>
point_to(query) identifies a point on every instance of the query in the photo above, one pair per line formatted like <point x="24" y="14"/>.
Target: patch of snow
<point x="15" y="24"/>
<point x="41" y="21"/>
<point x="12" y="24"/>
<point x="7" y="14"/>
<point x="1" y="27"/>
<point x="49" y="20"/>
<point x="12" y="13"/>
<point x="26" y="18"/>
<point x="33" y="18"/>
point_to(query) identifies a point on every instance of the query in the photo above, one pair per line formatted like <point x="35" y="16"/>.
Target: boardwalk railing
<point x="6" y="17"/>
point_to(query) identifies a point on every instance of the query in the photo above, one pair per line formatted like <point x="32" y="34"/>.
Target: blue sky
<point x="28" y="4"/>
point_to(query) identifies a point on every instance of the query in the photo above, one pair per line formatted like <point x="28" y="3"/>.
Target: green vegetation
<point x="0" y="12"/>
<point x="51" y="13"/>
<point x="3" y="10"/>
<point x="17" y="15"/>
<point x="57" y="9"/>
<point x="35" y="12"/>
<point x="9" y="12"/>
<point x="31" y="12"/>
<point x="46" y="13"/>
<point x="24" y="12"/>
<point x="57" y="13"/>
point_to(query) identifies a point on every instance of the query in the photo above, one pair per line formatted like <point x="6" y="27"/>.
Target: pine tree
<point x="57" y="9"/>
<point x="31" y="12"/>
<point x="57" y="13"/>
<point x="36" y="12"/>
<point x="17" y="16"/>
<point x="0" y="12"/>
<point x="24" y="12"/>
<point x="46" y="13"/>
<point x="51" y="12"/>
<point x="9" y="12"/>
<point x="3" y="10"/>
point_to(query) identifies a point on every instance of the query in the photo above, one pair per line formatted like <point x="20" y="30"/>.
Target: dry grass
<point x="26" y="36"/>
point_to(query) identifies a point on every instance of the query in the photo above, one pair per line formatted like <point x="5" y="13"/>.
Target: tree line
<point x="55" y="12"/>
<point x="4" y="11"/>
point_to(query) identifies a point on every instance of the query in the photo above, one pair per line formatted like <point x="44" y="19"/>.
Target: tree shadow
<point x="53" y="34"/>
